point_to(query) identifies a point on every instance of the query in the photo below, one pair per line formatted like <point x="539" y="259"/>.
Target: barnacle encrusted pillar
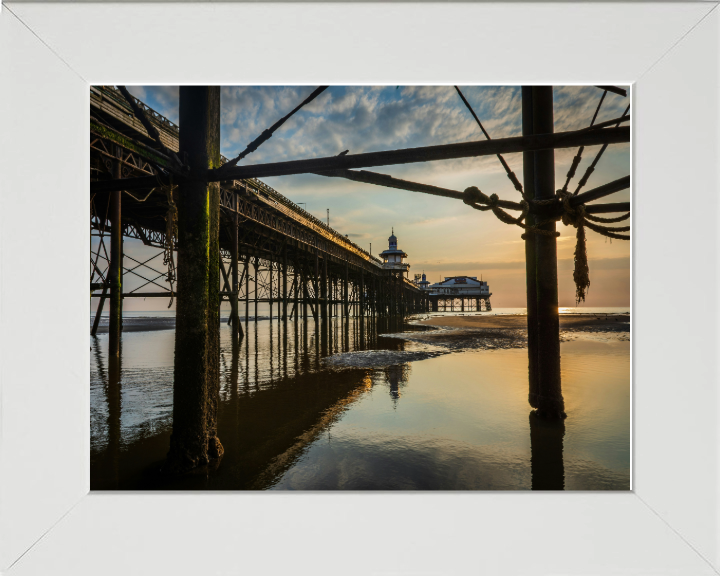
<point x="197" y="335"/>
<point x="549" y="399"/>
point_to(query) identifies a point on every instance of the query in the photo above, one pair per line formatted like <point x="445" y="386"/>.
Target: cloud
<point x="439" y="234"/>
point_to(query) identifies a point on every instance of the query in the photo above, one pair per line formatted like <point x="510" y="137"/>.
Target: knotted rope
<point x="575" y="216"/>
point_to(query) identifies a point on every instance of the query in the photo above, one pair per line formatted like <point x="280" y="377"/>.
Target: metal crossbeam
<point x="409" y="155"/>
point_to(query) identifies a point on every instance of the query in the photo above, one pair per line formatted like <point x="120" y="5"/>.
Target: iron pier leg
<point x="284" y="284"/>
<point x="197" y="358"/>
<point x="115" y="275"/>
<point x="247" y="290"/>
<point x="270" y="292"/>
<point x="530" y="275"/>
<point x="550" y="402"/>
<point x="324" y="288"/>
<point x="346" y="304"/>
<point x="234" y="289"/>
<point x="256" y="264"/>
<point x="362" y="293"/>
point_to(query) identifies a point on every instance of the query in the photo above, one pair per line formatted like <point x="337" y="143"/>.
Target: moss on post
<point x="196" y="387"/>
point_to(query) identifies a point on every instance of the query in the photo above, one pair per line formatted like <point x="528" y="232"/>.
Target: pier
<point x="271" y="250"/>
<point x="226" y="236"/>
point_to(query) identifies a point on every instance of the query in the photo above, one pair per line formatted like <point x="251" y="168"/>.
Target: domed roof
<point x="392" y="235"/>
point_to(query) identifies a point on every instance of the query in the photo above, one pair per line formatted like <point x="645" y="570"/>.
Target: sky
<point x="442" y="237"/>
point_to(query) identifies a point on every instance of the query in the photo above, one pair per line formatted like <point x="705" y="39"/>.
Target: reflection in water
<point x="546" y="445"/>
<point x="288" y="419"/>
<point x="396" y="376"/>
<point x="111" y="381"/>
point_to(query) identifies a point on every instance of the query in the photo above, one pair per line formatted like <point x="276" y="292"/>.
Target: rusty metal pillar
<point x="549" y="398"/>
<point x="115" y="275"/>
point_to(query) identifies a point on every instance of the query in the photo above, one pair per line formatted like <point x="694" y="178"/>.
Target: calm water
<point x="340" y="406"/>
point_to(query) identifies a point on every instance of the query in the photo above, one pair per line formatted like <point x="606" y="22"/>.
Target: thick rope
<point x="571" y="216"/>
<point x="607" y="220"/>
<point x="474" y="198"/>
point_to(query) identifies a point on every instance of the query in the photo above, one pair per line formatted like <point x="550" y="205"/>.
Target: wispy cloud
<point x="439" y="234"/>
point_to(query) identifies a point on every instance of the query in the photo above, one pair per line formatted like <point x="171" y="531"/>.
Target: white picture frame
<point x="49" y="522"/>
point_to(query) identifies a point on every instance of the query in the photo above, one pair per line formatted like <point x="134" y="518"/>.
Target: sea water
<point x="338" y="405"/>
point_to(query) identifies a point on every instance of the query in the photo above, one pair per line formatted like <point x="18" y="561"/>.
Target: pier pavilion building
<point x="457" y="292"/>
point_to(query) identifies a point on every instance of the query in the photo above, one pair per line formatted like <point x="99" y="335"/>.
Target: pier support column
<point x="284" y="285"/>
<point x="270" y="284"/>
<point x="197" y="335"/>
<point x="256" y="266"/>
<point x="346" y="303"/>
<point x="115" y="275"/>
<point x="362" y="293"/>
<point x="549" y="398"/>
<point x="529" y="187"/>
<point x="324" y="288"/>
<point x="247" y="290"/>
<point x="235" y="288"/>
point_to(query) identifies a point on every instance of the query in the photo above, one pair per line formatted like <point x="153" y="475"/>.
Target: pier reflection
<point x="546" y="445"/>
<point x="276" y="397"/>
<point x="279" y="400"/>
<point x="112" y="386"/>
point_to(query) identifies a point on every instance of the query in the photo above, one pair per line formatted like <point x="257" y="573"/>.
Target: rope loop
<point x="575" y="216"/>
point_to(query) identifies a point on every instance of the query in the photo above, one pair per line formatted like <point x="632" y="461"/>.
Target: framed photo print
<point x="405" y="288"/>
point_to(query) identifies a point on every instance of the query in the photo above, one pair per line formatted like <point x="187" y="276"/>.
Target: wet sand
<point x="584" y="322"/>
<point x="141" y="325"/>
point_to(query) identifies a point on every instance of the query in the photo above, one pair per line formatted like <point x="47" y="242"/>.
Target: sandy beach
<point x="613" y="322"/>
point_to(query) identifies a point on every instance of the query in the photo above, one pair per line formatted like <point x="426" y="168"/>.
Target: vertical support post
<point x="529" y="188"/>
<point x="305" y="291"/>
<point x="247" y="289"/>
<point x="256" y="265"/>
<point x="284" y="284"/>
<point x="296" y="286"/>
<point x="362" y="292"/>
<point x="115" y="276"/>
<point x="317" y="284"/>
<point x="324" y="287"/>
<point x="549" y="399"/>
<point x="235" y="288"/>
<point x="197" y="335"/>
<point x="346" y="304"/>
<point x="270" y="285"/>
